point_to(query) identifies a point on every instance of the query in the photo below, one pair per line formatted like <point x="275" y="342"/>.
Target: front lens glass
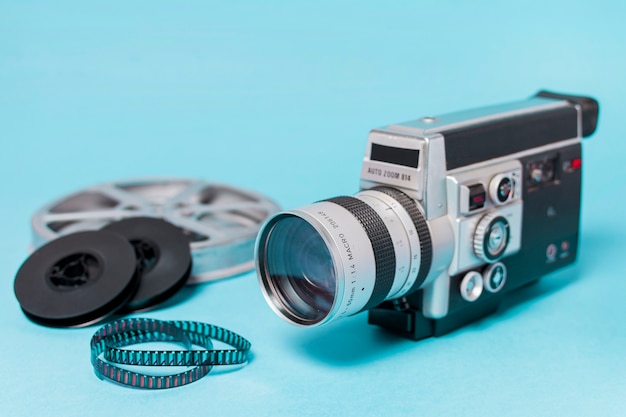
<point x="299" y="270"/>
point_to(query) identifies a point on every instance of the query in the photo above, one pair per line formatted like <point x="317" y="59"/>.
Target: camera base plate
<point x="411" y="324"/>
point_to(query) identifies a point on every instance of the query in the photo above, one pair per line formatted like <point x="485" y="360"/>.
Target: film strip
<point x="108" y="353"/>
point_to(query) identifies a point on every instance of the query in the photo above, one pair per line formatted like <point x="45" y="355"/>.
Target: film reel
<point x="85" y="277"/>
<point x="163" y="259"/>
<point x="220" y="221"/>
<point x="78" y="279"/>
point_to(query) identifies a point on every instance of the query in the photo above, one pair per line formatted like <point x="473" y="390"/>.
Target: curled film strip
<point x="108" y="353"/>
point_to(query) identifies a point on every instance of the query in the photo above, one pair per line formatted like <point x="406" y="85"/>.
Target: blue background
<point x="279" y="97"/>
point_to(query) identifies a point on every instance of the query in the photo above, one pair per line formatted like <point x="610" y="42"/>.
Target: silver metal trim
<point x="465" y="221"/>
<point x="435" y="297"/>
<point x="351" y="252"/>
<point x="408" y="179"/>
<point x="461" y="119"/>
<point x="405" y="239"/>
<point x="427" y="181"/>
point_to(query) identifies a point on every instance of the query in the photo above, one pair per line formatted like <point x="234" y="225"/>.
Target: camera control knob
<point x="471" y="286"/>
<point x="494" y="277"/>
<point x="491" y="237"/>
<point x="502" y="189"/>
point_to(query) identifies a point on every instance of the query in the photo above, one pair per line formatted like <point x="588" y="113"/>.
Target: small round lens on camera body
<point x="505" y="187"/>
<point x="502" y="189"/>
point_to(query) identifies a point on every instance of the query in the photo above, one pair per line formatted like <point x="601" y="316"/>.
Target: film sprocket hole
<point x="453" y="213"/>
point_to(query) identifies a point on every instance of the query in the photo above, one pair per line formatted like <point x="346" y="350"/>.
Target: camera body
<point x="453" y="213"/>
<point x="507" y="181"/>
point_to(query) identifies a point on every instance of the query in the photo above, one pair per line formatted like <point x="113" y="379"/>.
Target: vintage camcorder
<point x="453" y="213"/>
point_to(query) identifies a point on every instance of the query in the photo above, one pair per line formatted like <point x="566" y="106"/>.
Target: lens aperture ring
<point x="426" y="244"/>
<point x="382" y="246"/>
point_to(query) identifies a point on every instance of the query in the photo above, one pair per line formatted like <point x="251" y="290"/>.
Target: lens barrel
<point x="344" y="255"/>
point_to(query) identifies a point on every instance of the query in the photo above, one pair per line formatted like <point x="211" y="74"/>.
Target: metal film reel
<point x="220" y="221"/>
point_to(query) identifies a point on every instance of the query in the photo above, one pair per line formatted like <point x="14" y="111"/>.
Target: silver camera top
<point x="417" y="156"/>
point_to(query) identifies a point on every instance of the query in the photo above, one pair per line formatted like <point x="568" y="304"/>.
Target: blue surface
<point x="279" y="98"/>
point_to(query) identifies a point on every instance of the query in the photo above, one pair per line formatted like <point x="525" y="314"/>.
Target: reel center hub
<point x="74" y="270"/>
<point x="147" y="254"/>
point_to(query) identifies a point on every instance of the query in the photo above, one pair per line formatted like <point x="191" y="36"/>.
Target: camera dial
<point x="491" y="237"/>
<point x="494" y="277"/>
<point x="471" y="286"/>
<point x="502" y="189"/>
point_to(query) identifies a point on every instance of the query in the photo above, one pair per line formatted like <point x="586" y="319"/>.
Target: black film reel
<point x="78" y="279"/>
<point x="163" y="259"/>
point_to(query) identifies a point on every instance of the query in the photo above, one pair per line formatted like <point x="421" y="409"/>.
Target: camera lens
<point x="344" y="255"/>
<point x="300" y="268"/>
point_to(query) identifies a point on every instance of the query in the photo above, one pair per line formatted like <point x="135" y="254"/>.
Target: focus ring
<point x="382" y="245"/>
<point x="426" y="243"/>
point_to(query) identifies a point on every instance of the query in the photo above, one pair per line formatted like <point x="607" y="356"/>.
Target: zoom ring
<point x="426" y="244"/>
<point x="382" y="245"/>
